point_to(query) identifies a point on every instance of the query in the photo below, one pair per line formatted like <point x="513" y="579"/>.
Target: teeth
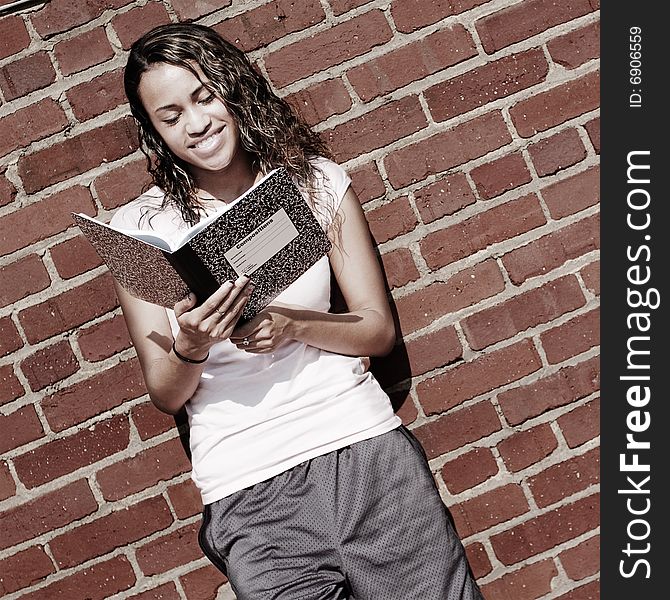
<point x="207" y="142"/>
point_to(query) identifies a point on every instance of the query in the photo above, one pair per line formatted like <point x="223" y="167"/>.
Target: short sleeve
<point x="337" y="181"/>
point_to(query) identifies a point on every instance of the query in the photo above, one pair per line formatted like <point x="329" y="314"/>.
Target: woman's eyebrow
<point x="193" y="94"/>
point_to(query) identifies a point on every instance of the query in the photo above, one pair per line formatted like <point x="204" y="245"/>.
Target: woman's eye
<point x="171" y="120"/>
<point x="207" y="99"/>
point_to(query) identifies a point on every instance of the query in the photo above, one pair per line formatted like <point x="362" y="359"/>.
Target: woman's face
<point x="194" y="123"/>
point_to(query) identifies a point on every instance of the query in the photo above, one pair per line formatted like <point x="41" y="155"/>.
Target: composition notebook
<point x="269" y="233"/>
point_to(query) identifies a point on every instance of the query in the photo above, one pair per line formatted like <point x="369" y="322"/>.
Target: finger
<point x="228" y="319"/>
<point x="221" y="300"/>
<point x="185" y="304"/>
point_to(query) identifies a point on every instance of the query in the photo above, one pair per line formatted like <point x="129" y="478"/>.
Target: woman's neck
<point x="230" y="183"/>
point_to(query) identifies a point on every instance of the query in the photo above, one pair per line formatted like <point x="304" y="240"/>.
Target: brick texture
<point x="471" y="132"/>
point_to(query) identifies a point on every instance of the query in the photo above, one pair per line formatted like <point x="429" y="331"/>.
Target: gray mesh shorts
<point x="365" y="522"/>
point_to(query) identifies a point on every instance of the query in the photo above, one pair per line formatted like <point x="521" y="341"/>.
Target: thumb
<point x="185" y="304"/>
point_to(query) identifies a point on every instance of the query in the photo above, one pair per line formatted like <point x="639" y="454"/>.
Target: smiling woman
<point x="309" y="482"/>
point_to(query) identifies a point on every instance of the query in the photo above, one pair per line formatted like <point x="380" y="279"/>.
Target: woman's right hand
<point x="213" y="321"/>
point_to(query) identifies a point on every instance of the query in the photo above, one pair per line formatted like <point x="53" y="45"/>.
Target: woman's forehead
<point x="163" y="81"/>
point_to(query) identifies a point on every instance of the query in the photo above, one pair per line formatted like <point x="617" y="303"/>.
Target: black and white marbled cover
<point x="145" y="272"/>
<point x="277" y="191"/>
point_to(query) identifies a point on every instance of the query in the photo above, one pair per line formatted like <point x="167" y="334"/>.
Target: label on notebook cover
<point x="255" y="249"/>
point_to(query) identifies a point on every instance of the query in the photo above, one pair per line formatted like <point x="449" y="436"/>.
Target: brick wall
<point x="471" y="131"/>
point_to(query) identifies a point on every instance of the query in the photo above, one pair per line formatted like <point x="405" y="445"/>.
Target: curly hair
<point x="273" y="134"/>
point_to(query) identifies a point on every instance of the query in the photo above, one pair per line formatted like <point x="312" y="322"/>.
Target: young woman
<point x="311" y="487"/>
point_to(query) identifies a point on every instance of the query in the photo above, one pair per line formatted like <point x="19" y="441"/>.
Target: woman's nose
<point x="197" y="121"/>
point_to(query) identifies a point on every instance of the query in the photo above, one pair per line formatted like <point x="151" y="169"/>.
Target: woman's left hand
<point x="270" y="328"/>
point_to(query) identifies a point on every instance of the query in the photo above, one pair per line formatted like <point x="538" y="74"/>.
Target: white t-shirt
<point x="254" y="416"/>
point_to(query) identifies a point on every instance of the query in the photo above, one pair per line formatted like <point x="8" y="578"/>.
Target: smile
<point x="208" y="142"/>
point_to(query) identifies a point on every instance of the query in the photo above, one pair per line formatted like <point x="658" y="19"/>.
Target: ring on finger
<point x="245" y="342"/>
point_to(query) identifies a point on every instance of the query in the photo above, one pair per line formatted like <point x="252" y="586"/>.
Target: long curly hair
<point x="273" y="134"/>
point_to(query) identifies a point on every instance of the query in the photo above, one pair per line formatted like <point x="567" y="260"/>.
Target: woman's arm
<point x="366" y="330"/>
<point x="170" y="380"/>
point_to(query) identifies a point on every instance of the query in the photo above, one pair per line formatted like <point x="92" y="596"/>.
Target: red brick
<point x="14" y="36"/>
<point x="564" y="479"/>
<point x="582" y="560"/>
<point x="447" y="149"/>
<point x="74" y="257"/>
<point x="104" y="339"/>
<point x="367" y="182"/>
<point x="557" y="152"/>
<point x="321" y="100"/>
<point x="488" y="509"/>
<point x="458" y="428"/>
<point x="573" y="194"/>
<point x="78" y="154"/>
<point x="517" y="22"/>
<point x="410" y="16"/>
<point x="43" y="219"/>
<point x="478" y="559"/>
<point x="120" y="185"/>
<point x="260" y="26"/>
<point x="593" y="129"/>
<point x="465" y="288"/>
<point x="581" y="424"/>
<point x="185" y="499"/>
<point x="27" y="125"/>
<point x="526" y="583"/>
<point x="573" y="337"/>
<point x="525" y="448"/>
<point x="167" y="591"/>
<point x="100" y="581"/>
<point x="7" y="190"/>
<point x="145" y="469"/>
<point x="168" y="552"/>
<point x="376" y="129"/>
<point x="10" y="386"/>
<point x="65" y="455"/>
<point x="500" y="175"/>
<point x="419" y="356"/>
<point x="560" y="388"/>
<point x="497" y="79"/>
<point x="83" y="51"/>
<point x="483" y="374"/>
<point x="519" y="313"/>
<point x="399" y="267"/>
<point x="117" y="529"/>
<point x="591" y="276"/>
<point x="469" y="469"/>
<point x="150" y="421"/>
<point x="21" y="278"/>
<point x="7" y="485"/>
<point x="63" y="15"/>
<point x="23" y="569"/>
<point x="203" y="583"/>
<point x="46" y="512"/>
<point x="131" y="25"/>
<point x="98" y="96"/>
<point x="590" y="591"/>
<point x="557" y="105"/>
<point x="492" y="226"/>
<point x="412" y="62"/>
<point x="49" y="365"/>
<point x="93" y="396"/>
<point x="187" y="9"/>
<point x="10" y="340"/>
<point x="546" y="530"/>
<point x="577" y="47"/>
<point x="444" y="197"/>
<point x="553" y="250"/>
<point x="25" y="75"/>
<point x="391" y="220"/>
<point x="19" y="428"/>
<point x="328" y="48"/>
<point x="341" y="6"/>
<point x="403" y="406"/>
<point x="69" y="310"/>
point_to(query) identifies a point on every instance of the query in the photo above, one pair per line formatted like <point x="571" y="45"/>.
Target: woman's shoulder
<point x="129" y="216"/>
<point x="333" y="175"/>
